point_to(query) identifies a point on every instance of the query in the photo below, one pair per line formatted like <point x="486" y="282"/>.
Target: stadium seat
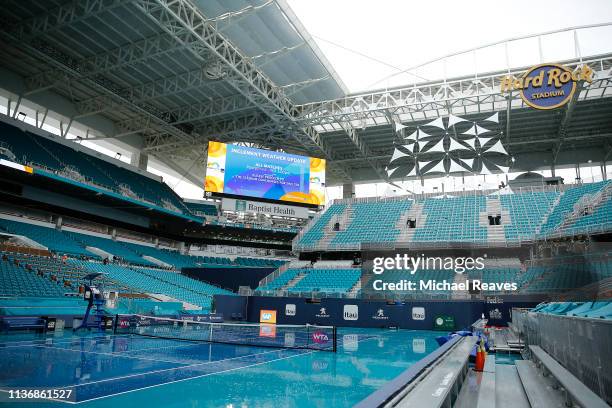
<point x="47" y="236"/>
<point x="62" y="159"/>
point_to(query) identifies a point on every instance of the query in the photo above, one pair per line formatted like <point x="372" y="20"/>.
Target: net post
<point x="115" y="324"/>
<point x="335" y="338"/>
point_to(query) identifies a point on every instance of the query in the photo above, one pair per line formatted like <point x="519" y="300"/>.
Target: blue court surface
<point x="126" y="370"/>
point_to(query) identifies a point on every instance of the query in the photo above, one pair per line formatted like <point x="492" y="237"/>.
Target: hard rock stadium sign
<point x="547" y="86"/>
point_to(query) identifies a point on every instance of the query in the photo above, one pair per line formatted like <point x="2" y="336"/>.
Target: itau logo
<point x="418" y="313"/>
<point x="351" y="312"/>
<point x="290" y="309"/>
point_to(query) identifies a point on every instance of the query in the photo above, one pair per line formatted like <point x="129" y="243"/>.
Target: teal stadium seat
<point x="527" y="212"/>
<point x="51" y="238"/>
<point x="372" y="222"/>
<point x="327" y="280"/>
<point x="16" y="280"/>
<point x="312" y="237"/>
<point x="55" y="156"/>
<point x="566" y="205"/>
<point x="452" y="219"/>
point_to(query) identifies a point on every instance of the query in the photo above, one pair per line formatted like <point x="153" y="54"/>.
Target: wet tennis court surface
<point x="128" y="370"/>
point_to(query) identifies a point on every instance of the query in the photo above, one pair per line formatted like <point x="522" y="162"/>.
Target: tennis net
<point x="247" y="334"/>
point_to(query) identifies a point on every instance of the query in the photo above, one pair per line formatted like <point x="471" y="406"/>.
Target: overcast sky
<point x="405" y="33"/>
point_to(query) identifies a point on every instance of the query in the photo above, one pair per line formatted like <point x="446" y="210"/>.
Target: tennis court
<point x="128" y="369"/>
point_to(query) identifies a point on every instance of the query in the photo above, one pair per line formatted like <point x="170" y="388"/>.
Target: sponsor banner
<point x="321" y="336"/>
<point x="254" y="207"/>
<point x="444" y="322"/>
<point x="124" y="322"/>
<point x="350" y="312"/>
<point x="380" y="315"/>
<point x="16" y="166"/>
<point x="418" y="313"/>
<point x="290" y="309"/>
<point x="212" y="318"/>
<point x="547" y="86"/>
<point x="267" y="316"/>
<point x="322" y="314"/>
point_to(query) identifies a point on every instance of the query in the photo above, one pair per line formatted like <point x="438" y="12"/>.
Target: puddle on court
<point x="130" y="371"/>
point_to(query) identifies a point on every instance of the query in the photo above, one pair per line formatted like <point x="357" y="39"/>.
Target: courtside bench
<point x="575" y="390"/>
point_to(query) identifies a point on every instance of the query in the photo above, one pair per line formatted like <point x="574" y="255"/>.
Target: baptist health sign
<point x="245" y="206"/>
<point x="547" y="86"/>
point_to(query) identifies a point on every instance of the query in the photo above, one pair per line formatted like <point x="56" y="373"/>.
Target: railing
<point x="274" y="274"/>
<point x="307" y="228"/>
<point x="580" y="344"/>
<point x="415" y="245"/>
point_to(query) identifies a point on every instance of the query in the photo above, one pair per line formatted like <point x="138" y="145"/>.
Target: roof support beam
<point x="126" y="55"/>
<point x="434" y="99"/>
<point x="64" y="15"/>
<point x="228" y="19"/>
<point x="183" y="20"/>
<point x="166" y="87"/>
<point x="294" y="88"/>
<point x="55" y="58"/>
<point x="567" y="117"/>
<point x="268" y="57"/>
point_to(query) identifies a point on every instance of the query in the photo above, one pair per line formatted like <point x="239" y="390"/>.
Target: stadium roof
<point x="170" y="75"/>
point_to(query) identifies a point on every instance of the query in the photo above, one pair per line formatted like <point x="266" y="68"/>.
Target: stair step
<point x="509" y="392"/>
<point x="538" y="388"/>
<point x="477" y="391"/>
<point x="293" y="281"/>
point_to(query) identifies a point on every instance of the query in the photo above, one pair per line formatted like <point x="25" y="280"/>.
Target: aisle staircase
<point x="495" y="233"/>
<point x="352" y="293"/>
<point x="414" y="213"/>
<point x="293" y="281"/>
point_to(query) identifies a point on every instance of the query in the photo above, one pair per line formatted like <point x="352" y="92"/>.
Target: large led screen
<point x="246" y="171"/>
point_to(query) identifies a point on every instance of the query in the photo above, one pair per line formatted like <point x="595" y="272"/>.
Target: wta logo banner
<point x="320" y="337"/>
<point x="547" y="86"/>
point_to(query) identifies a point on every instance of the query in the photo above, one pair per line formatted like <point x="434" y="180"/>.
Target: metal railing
<point x="581" y="345"/>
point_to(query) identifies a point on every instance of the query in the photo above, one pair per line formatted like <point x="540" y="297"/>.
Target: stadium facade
<point x="265" y="126"/>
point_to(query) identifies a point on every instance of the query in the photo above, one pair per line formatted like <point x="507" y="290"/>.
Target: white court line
<point x="184" y="379"/>
<point x="208" y="374"/>
<point x="107" y="354"/>
<point x="60" y="340"/>
<point x="198" y="376"/>
<point x="170" y="369"/>
<point x="119" y="353"/>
